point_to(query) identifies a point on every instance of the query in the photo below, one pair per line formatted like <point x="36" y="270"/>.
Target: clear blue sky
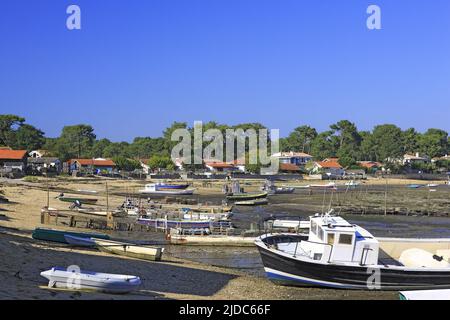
<point x="138" y="65"/>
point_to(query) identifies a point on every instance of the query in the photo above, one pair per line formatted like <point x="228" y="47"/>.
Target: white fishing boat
<point x="152" y="188"/>
<point x="338" y="254"/>
<point x="443" y="294"/>
<point x="130" y="250"/>
<point x="352" y="183"/>
<point x="87" y="280"/>
<point x="330" y="185"/>
<point x="191" y="215"/>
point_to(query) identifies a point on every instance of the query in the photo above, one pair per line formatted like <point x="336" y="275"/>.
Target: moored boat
<point x="138" y="251"/>
<point x="338" y="254"/>
<point x="79" y="241"/>
<point x="59" y="235"/>
<point x="246" y="196"/>
<point x="63" y="198"/>
<point x="152" y="188"/>
<point x="161" y="185"/>
<point x="88" y="280"/>
<point x="330" y="185"/>
<point x="255" y="202"/>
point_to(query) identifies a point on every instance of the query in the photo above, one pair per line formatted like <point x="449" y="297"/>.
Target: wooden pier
<point x="73" y="219"/>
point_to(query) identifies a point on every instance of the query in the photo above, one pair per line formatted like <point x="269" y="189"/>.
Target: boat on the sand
<point x="246" y="196"/>
<point x="255" y="202"/>
<point x="79" y="241"/>
<point x="162" y="185"/>
<point x="152" y="188"/>
<point x="63" y="198"/>
<point x="138" y="251"/>
<point x="337" y="254"/>
<point x="88" y="280"/>
<point x="59" y="235"/>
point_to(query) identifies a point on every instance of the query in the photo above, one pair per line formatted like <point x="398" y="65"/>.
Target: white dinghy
<point x="75" y="279"/>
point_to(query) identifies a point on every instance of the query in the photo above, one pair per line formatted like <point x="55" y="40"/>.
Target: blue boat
<point x="415" y="186"/>
<point x="171" y="186"/>
<point x="79" y="241"/>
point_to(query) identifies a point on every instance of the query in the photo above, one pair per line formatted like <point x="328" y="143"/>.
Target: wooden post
<point x="385" y="198"/>
<point x="48" y="193"/>
<point x="107" y="197"/>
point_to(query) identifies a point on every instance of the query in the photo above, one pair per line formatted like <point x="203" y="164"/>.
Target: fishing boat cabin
<point x="333" y="239"/>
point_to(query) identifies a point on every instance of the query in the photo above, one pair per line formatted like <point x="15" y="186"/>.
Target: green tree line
<point x="342" y="139"/>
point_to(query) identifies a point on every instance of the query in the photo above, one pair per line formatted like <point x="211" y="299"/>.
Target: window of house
<point x="330" y="238"/>
<point x="345" y="239"/>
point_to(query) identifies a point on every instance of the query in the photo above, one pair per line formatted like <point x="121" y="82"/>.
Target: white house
<point x="38" y="153"/>
<point x="297" y="158"/>
<point x="415" y="158"/>
<point x="329" y="167"/>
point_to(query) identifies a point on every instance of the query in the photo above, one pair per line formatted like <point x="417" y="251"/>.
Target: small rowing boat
<point x="88" y="280"/>
<point x="171" y="186"/>
<point x="256" y="202"/>
<point x="59" y="235"/>
<point x="152" y="188"/>
<point x="246" y="196"/>
<point x="79" y="241"/>
<point x="74" y="200"/>
<point x="129" y="250"/>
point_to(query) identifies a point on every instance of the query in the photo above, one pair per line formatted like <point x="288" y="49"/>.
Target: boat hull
<point x="81" y="200"/>
<point x="174" y="192"/>
<point x="92" y="281"/>
<point x="287" y="270"/>
<point x="59" y="235"/>
<point x="172" y="186"/>
<point x="129" y="250"/>
<point x="249" y="196"/>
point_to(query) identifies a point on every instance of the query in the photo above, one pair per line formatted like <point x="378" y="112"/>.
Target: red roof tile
<point x="12" y="154"/>
<point x="219" y="165"/>
<point x="329" y="164"/>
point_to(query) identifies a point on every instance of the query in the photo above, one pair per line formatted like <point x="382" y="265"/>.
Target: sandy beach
<point x="173" y="278"/>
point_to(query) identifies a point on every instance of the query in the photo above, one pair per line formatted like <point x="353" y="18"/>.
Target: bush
<point x="31" y="179"/>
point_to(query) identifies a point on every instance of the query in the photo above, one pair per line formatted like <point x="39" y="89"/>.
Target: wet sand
<point x="185" y="273"/>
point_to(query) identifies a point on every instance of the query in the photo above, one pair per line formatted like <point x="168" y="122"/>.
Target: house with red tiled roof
<point x="220" y="166"/>
<point x="370" y="164"/>
<point x="13" y="159"/>
<point x="330" y="167"/>
<point x="95" y="165"/>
